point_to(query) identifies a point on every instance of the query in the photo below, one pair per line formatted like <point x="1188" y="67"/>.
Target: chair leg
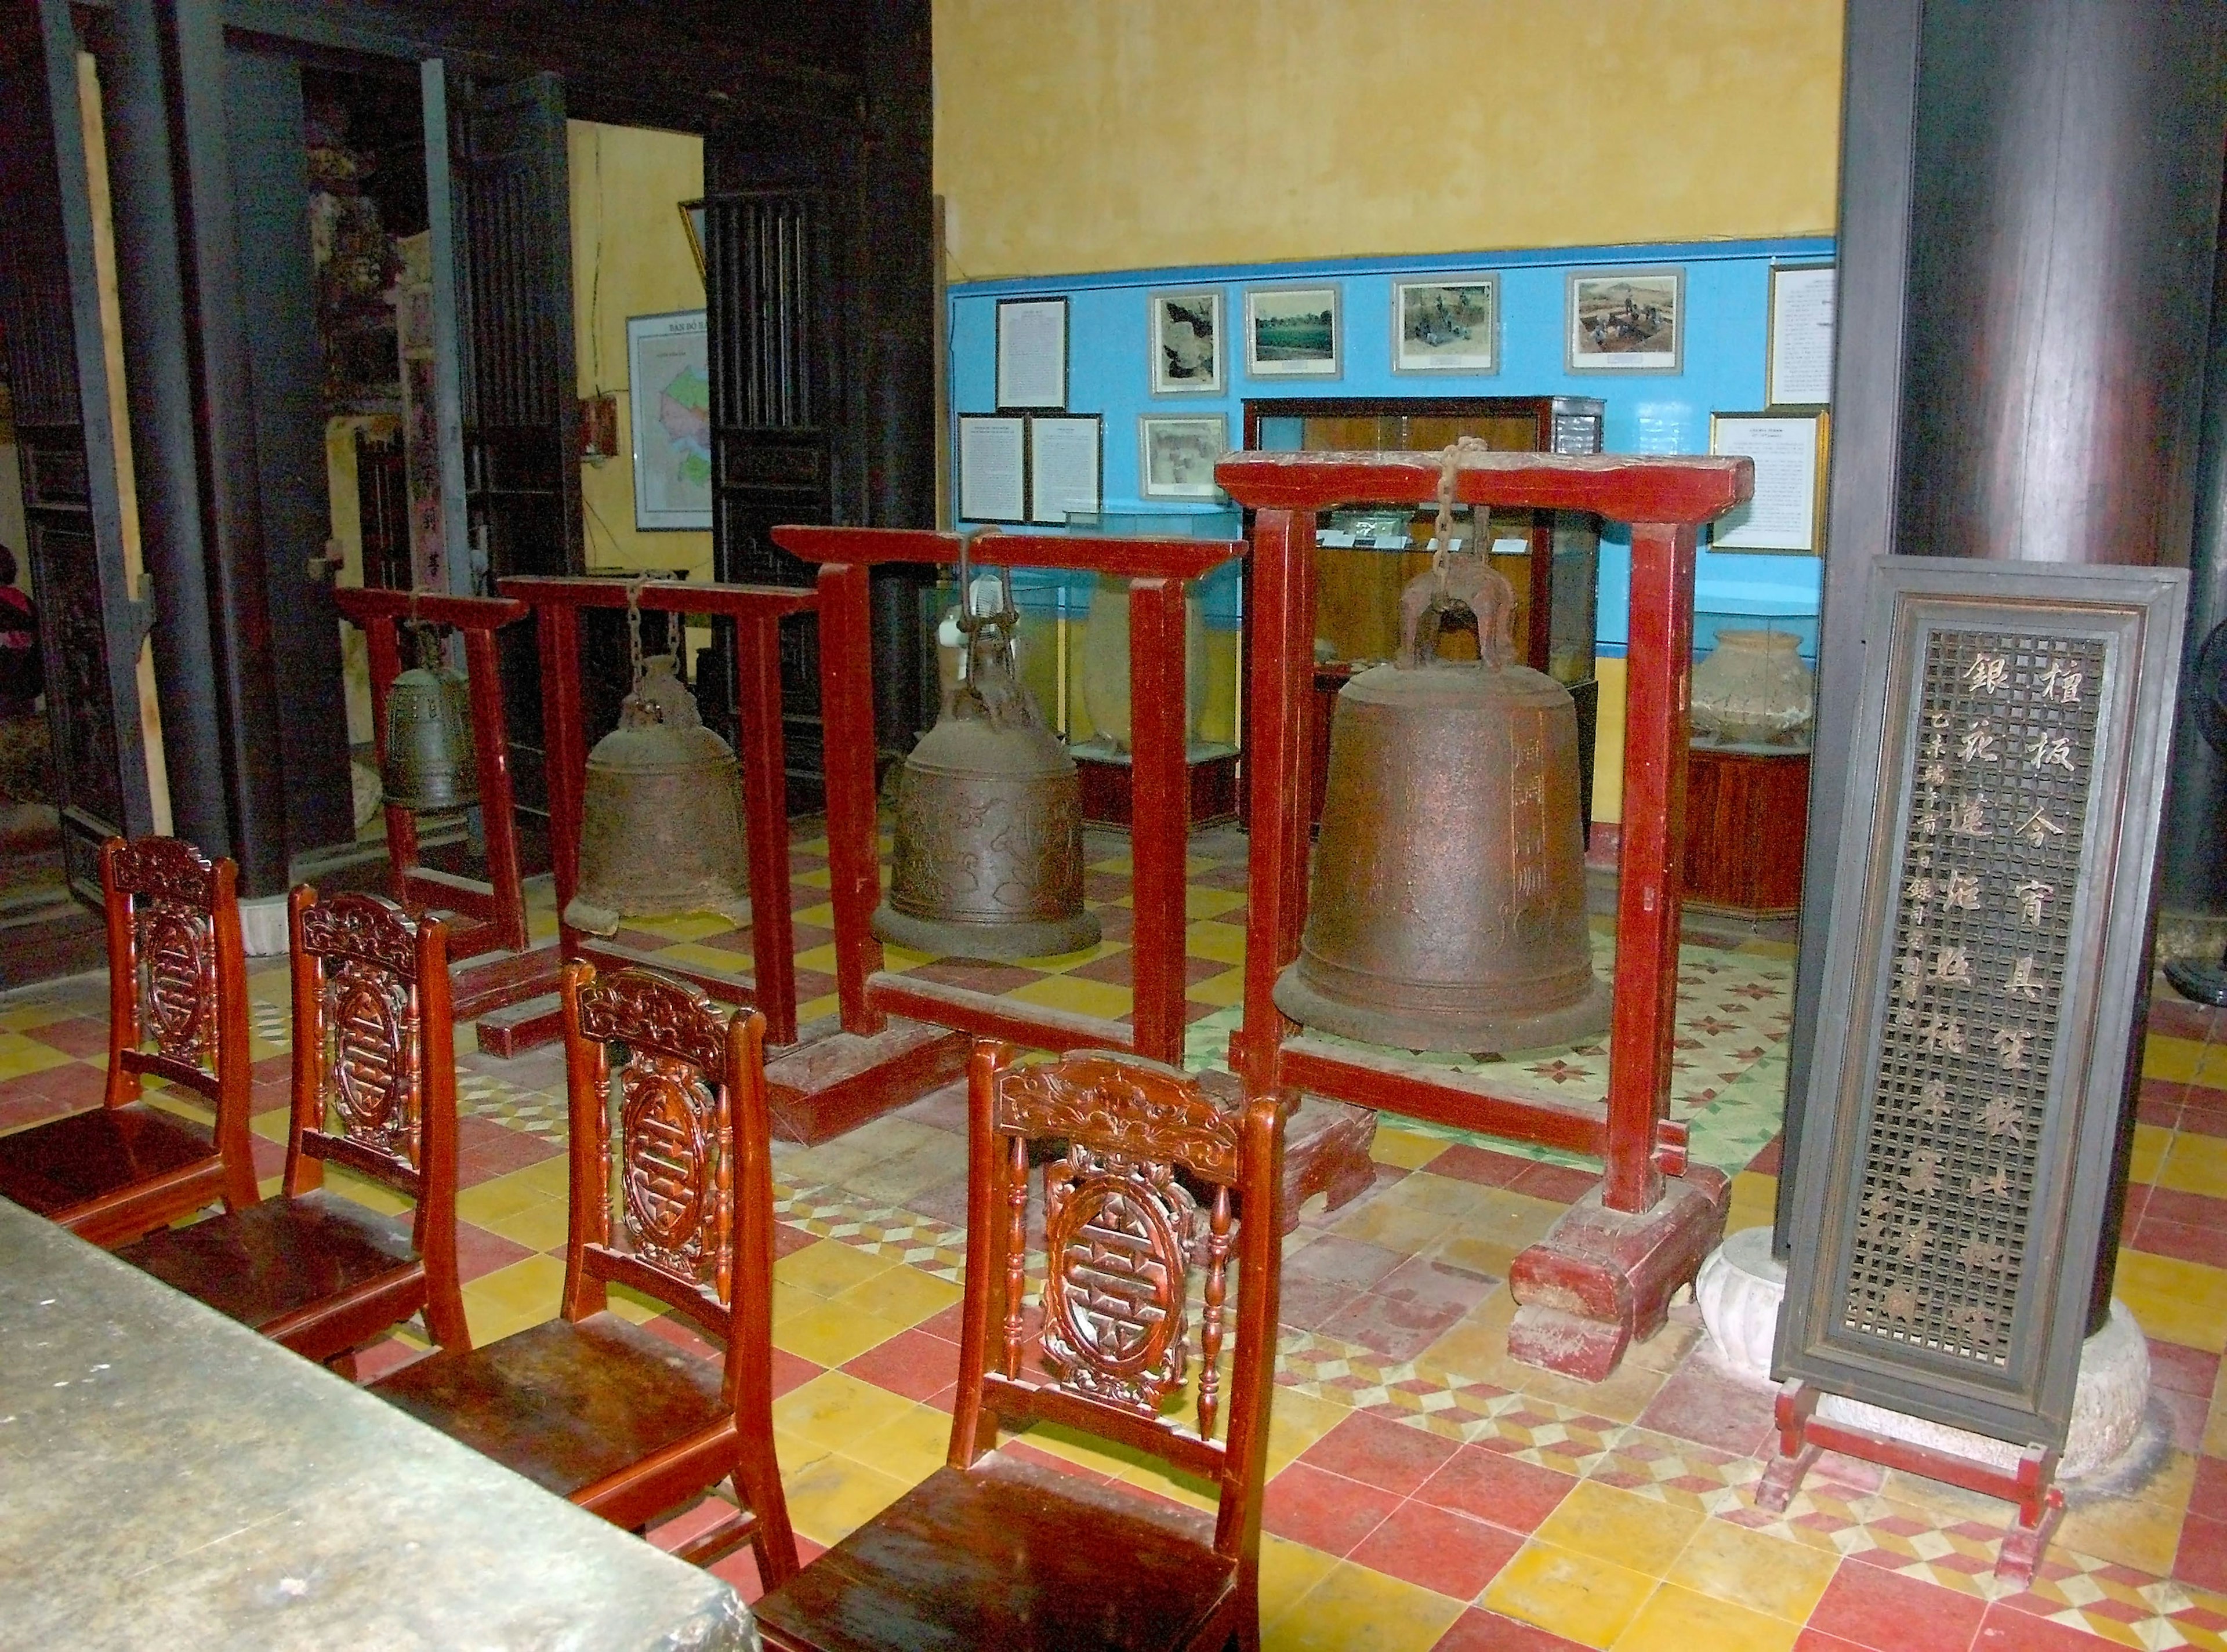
<point x="757" y="1485"/>
<point x="444" y="1316"/>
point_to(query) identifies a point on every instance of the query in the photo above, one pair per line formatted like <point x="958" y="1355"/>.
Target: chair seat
<point x="566" y="1403"/>
<point x="54" y="1167"/>
<point x="1008" y="1554"/>
<point x="277" y="1257"/>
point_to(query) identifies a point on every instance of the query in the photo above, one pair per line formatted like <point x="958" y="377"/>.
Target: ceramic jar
<point x="1753" y="690"/>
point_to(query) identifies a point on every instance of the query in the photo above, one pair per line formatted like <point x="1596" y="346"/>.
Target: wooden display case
<point x="1554" y="579"/>
<point x="1747" y="813"/>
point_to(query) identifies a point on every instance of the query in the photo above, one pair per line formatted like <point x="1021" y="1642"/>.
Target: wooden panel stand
<point x="822" y="1079"/>
<point x="1607" y="1270"/>
<point x="1107" y="793"/>
<point x="1326" y="1149"/>
<point x="2032" y="1485"/>
<point x="1746" y="814"/>
<point x="494" y="910"/>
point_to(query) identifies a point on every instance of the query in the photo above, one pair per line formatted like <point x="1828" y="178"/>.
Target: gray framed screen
<point x="1998" y="841"/>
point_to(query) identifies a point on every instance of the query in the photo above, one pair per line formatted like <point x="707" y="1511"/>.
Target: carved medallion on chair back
<point x="170" y="886"/>
<point x="1123" y="1235"/>
<point x="675" y="1179"/>
<point x="369" y="1092"/>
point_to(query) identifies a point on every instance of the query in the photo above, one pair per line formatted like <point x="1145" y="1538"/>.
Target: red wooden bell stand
<point x="494" y="909"/>
<point x="823" y="1078"/>
<point x="1327" y="1147"/>
<point x="1606" y="1271"/>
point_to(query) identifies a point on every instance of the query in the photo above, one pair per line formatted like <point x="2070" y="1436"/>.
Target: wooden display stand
<point x="1326" y="1149"/>
<point x="1108" y="790"/>
<point x="1747" y="809"/>
<point x="823" y="1078"/>
<point x="494" y="909"/>
<point x="1606" y="1271"/>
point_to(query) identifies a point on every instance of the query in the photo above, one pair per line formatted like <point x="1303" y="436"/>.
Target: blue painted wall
<point x="1727" y="285"/>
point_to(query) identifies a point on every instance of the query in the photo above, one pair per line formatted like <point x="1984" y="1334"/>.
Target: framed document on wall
<point x="1799" y="350"/>
<point x="993" y="468"/>
<point x="1031" y="353"/>
<point x="1064" y="457"/>
<point x="1787" y="512"/>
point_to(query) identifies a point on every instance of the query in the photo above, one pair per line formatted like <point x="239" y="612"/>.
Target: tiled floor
<point x="1425" y="1491"/>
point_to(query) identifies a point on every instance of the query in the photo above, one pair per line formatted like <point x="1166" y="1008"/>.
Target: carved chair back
<point x="679" y="1204"/>
<point x="178" y="977"/>
<point x="374" y="1053"/>
<point x="1125" y="1236"/>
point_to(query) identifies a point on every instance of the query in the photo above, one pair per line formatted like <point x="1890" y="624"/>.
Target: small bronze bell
<point x="989" y="817"/>
<point x="661" y="823"/>
<point x="431" y="766"/>
<point x="1447" y="910"/>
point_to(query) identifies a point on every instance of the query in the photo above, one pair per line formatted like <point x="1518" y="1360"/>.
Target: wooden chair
<point x="178" y="977"/>
<point x="593" y="1407"/>
<point x="993" y="1551"/>
<point x="375" y="1091"/>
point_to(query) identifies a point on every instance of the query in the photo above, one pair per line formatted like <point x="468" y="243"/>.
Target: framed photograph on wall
<point x="1798" y="345"/>
<point x="1787" y="512"/>
<point x="1064" y="465"/>
<point x="1447" y="324"/>
<point x="1175" y="456"/>
<point x="1293" y="333"/>
<point x="1031" y="353"/>
<point x="1626" y="321"/>
<point x="669" y="397"/>
<point x="1186" y="342"/>
<point x="993" y="468"/>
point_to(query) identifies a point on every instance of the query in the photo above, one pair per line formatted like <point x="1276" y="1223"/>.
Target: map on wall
<point x="669" y="387"/>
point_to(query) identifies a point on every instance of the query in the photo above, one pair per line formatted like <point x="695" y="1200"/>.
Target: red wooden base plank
<point x="987" y="1016"/>
<point x="513" y="1032"/>
<point x="1413" y="1091"/>
<point x="824" y="1086"/>
<point x="500" y="982"/>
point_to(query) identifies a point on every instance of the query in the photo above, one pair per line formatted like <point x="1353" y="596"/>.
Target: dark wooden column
<point x="2031" y="191"/>
<point x="2192" y="875"/>
<point x="193" y="434"/>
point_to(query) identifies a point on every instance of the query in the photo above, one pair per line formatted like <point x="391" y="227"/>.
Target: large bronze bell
<point x="989" y="821"/>
<point x="660" y="822"/>
<point x="1447" y="910"/>
<point x="431" y="766"/>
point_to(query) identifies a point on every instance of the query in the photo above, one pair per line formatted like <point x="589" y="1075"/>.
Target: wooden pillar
<point x="2029" y="192"/>
<point x="193" y="433"/>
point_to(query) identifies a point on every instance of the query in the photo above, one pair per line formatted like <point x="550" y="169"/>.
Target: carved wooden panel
<point x="66" y="564"/>
<point x="371" y="1019"/>
<point x="1122" y="1233"/>
<point x="176" y="949"/>
<point x="1984" y="964"/>
<point x="675" y="1180"/>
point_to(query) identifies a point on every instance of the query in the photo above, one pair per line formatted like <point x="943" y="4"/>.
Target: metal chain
<point x="1442" y="531"/>
<point x="633" y="629"/>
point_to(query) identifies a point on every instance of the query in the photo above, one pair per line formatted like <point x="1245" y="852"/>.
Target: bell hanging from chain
<point x="1447" y="909"/>
<point x="431" y="766"/>
<point x="988" y="862"/>
<point x="660" y="822"/>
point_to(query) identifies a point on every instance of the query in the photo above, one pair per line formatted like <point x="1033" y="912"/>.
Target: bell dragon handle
<point x="1465" y="582"/>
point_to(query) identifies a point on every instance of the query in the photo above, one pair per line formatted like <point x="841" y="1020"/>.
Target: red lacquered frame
<point x="1160" y="823"/>
<point x="1606" y="1272"/>
<point x="493" y="909"/>
<point x="821" y="1080"/>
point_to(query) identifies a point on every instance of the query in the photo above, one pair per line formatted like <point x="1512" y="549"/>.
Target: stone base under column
<point x="1739" y="1289"/>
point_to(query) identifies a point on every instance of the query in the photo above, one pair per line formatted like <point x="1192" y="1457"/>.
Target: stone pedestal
<point x="1741" y="1285"/>
<point x="263" y="927"/>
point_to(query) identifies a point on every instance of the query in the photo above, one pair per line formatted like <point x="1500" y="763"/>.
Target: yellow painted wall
<point x="1084" y="135"/>
<point x="630" y="257"/>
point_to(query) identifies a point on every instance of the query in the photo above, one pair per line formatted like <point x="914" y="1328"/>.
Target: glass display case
<point x="1364" y="557"/>
<point x="1752" y="701"/>
<point x="1074" y="647"/>
<point x="1755" y="684"/>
